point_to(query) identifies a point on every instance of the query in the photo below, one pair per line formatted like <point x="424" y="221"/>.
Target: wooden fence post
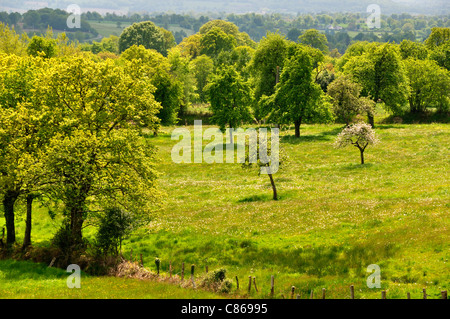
<point x="444" y="294"/>
<point x="142" y="261"/>
<point x="292" y="292"/>
<point x="254" y="284"/>
<point x="237" y="283"/>
<point x="424" y="293"/>
<point x="182" y="271"/>
<point x="249" y="283"/>
<point x="52" y="262"/>
<point x="323" y="293"/>
<point x="170" y="269"/>
<point x="312" y="294"/>
<point x="272" y="286"/>
<point x="158" y="263"/>
<point x="383" y="294"/>
<point x="206" y="268"/>
<point x="408" y="295"/>
<point x="352" y="292"/>
<point x="192" y="275"/>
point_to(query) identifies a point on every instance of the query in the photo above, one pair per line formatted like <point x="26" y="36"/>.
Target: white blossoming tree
<point x="359" y="135"/>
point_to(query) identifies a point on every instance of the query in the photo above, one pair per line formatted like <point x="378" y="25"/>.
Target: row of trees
<point x="411" y="76"/>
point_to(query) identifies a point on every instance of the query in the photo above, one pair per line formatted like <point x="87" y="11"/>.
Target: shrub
<point x="217" y="282"/>
<point x="115" y="225"/>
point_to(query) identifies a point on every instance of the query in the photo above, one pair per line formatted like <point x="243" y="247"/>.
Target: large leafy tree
<point x="22" y="135"/>
<point x="216" y="41"/>
<point x="382" y="75"/>
<point x="315" y="39"/>
<point x="97" y="157"/>
<point x="298" y="97"/>
<point x="347" y="102"/>
<point x="169" y="90"/>
<point x="267" y="63"/>
<point x="230" y="97"/>
<point x="438" y="37"/>
<point x="147" y="34"/>
<point x="44" y="46"/>
<point x="202" y="67"/>
<point x="429" y="85"/>
<point x="229" y="28"/>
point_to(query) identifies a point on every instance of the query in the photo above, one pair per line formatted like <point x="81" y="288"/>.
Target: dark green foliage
<point x="146" y="34"/>
<point x="114" y="226"/>
<point x="42" y="46"/>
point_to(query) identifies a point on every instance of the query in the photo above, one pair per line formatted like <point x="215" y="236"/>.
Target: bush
<point x="115" y="225"/>
<point x="217" y="282"/>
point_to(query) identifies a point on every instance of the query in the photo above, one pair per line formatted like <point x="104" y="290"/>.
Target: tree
<point x="201" y="67"/>
<point x="429" y="85"/>
<point x="146" y="34"/>
<point x="382" y="76"/>
<point x="216" y="41"/>
<point x="240" y="57"/>
<point x="441" y="54"/>
<point x="294" y="34"/>
<point x="11" y="42"/>
<point x="179" y="66"/>
<point x="438" y="37"/>
<point x="23" y="126"/>
<point x="229" y="28"/>
<point x="169" y="90"/>
<point x="230" y="98"/>
<point x="410" y="49"/>
<point x="298" y="97"/>
<point x="40" y="46"/>
<point x="190" y="46"/>
<point x="260" y="154"/>
<point x="359" y="135"/>
<point x="347" y="102"/>
<point x="315" y="39"/>
<point x="268" y="60"/>
<point x="97" y="157"/>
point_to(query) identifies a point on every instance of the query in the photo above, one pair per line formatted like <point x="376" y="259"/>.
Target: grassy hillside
<point x="334" y="217"/>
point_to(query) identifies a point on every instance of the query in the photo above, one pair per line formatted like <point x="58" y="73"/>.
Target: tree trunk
<point x="362" y="156"/>
<point x="27" y="238"/>
<point x="297" y="127"/>
<point x="275" y="196"/>
<point x="8" y="205"/>
<point x="76" y="225"/>
<point x="371" y="120"/>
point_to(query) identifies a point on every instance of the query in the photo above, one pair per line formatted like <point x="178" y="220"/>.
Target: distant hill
<point x="237" y="6"/>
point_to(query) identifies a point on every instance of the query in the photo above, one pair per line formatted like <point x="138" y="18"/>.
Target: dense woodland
<point x="74" y="117"/>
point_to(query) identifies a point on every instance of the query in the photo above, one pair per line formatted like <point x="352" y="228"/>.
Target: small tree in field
<point x="266" y="156"/>
<point x="359" y="135"/>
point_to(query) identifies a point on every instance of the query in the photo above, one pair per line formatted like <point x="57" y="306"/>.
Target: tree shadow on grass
<point x="27" y="270"/>
<point x="354" y="166"/>
<point x="255" y="198"/>
<point x="323" y="136"/>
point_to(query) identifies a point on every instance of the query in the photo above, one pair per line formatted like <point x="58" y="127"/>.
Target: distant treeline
<point x="341" y="29"/>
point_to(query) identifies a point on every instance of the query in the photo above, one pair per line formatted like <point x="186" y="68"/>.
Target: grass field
<point x="26" y="280"/>
<point x="334" y="218"/>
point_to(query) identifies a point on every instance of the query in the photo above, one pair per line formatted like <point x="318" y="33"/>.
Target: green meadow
<point x="334" y="218"/>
